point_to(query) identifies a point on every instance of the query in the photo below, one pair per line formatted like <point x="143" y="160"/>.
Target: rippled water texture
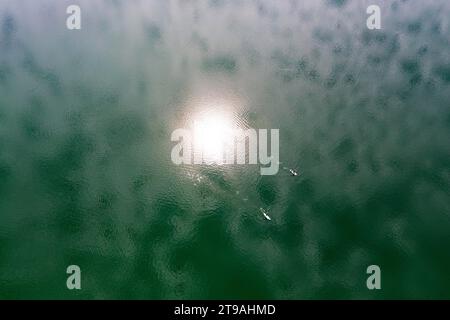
<point x="86" y="176"/>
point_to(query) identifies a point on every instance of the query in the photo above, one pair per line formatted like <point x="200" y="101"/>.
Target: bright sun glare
<point x="212" y="134"/>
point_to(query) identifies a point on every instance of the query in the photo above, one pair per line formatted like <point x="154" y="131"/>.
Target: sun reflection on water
<point x="213" y="135"/>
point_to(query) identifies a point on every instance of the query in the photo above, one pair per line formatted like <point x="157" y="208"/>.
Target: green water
<point x="86" y="176"/>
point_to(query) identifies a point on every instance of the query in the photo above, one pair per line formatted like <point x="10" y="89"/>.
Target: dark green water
<point x="86" y="176"/>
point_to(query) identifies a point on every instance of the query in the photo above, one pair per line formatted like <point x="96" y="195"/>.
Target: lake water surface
<point x="86" y="176"/>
